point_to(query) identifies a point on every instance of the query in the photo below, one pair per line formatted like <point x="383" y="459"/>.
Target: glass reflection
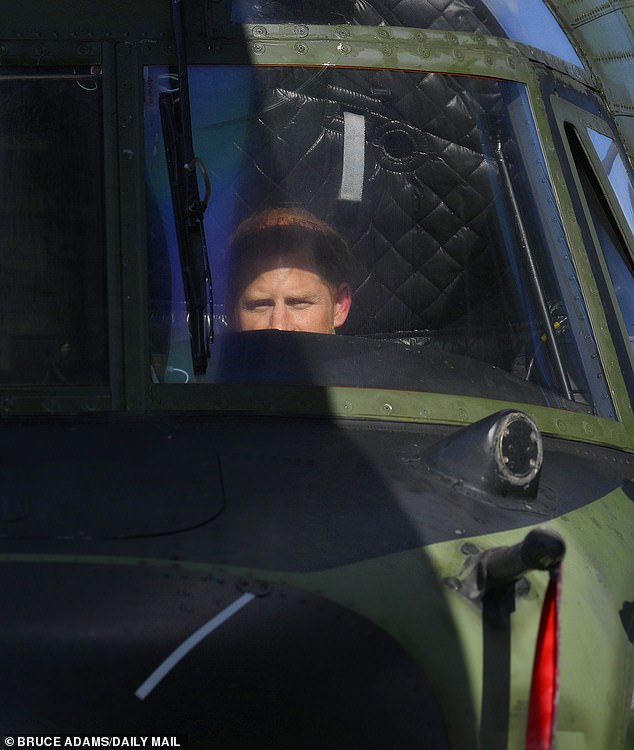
<point x="433" y="183"/>
<point x="612" y="163"/>
<point x="533" y="23"/>
<point x="52" y="265"/>
<point x="614" y="248"/>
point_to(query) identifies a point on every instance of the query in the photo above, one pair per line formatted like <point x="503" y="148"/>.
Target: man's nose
<point x="280" y="319"/>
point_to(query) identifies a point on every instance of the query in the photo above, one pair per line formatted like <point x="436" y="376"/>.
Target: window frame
<point x="24" y="398"/>
<point x="570" y="112"/>
<point x="156" y="387"/>
<point x="381" y="404"/>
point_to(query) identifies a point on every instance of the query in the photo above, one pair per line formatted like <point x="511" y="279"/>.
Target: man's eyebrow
<point x="256" y="300"/>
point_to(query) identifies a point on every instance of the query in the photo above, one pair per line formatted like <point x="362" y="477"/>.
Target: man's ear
<point x="343" y="300"/>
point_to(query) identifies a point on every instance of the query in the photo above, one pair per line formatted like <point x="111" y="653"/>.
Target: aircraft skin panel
<point x="406" y="407"/>
<point x="316" y="667"/>
<point x="591" y="623"/>
<point x="232" y="490"/>
<point x="411" y="596"/>
<point x="605" y="34"/>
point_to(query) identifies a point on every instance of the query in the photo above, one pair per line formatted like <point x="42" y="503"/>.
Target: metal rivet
<point x="468" y="548"/>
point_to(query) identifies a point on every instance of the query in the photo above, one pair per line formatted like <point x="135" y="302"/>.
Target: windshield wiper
<point x="189" y="207"/>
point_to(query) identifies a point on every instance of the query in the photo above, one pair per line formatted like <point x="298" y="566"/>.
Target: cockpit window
<point x="408" y="214"/>
<point x="612" y="161"/>
<point x="611" y="239"/>
<point x="532" y="22"/>
<point x="52" y="269"/>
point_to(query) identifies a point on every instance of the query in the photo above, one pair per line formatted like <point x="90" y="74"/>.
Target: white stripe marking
<point x="353" y="157"/>
<point x="186" y="646"/>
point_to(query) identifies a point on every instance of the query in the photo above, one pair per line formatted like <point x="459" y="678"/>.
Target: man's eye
<point x="300" y="304"/>
<point x="255" y="305"/>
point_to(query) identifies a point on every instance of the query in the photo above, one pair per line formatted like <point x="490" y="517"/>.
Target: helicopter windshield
<point x="437" y="187"/>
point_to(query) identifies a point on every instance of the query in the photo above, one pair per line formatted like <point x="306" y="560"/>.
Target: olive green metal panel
<point x="575" y="242"/>
<point x="383" y="404"/>
<point x="594" y="587"/>
<point x="604" y="34"/>
<point x="413" y="596"/>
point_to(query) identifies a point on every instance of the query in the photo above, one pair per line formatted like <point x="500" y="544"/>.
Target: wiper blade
<point x="189" y="207"/>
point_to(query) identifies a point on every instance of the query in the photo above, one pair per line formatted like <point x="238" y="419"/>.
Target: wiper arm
<point x="189" y="208"/>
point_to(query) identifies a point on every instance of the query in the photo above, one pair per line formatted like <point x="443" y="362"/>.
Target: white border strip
<point x="186" y="646"/>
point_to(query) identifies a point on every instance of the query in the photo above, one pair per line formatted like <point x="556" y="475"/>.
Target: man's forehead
<point x="287" y="283"/>
<point x="276" y="256"/>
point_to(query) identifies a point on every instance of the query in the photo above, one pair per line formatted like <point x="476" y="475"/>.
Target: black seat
<point x="423" y="227"/>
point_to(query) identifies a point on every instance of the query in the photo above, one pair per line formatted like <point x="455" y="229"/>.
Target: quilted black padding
<point x="424" y="233"/>
<point x="453" y="15"/>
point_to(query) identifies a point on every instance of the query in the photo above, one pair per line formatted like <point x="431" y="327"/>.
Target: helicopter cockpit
<point x="463" y="279"/>
<point x="426" y="135"/>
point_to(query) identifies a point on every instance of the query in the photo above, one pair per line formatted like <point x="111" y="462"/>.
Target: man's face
<point x="286" y="292"/>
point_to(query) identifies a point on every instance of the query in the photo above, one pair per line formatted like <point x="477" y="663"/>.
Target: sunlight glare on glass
<point x="612" y="162"/>
<point x="531" y="22"/>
